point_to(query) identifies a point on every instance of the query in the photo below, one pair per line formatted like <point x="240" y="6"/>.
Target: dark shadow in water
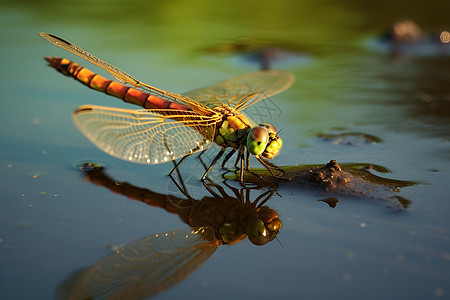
<point x="263" y="53"/>
<point x="350" y="138"/>
<point x="405" y="37"/>
<point x="350" y="179"/>
<point x="417" y="75"/>
<point x="151" y="265"/>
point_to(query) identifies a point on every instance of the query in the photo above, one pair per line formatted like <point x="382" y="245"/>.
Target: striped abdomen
<point x="110" y="87"/>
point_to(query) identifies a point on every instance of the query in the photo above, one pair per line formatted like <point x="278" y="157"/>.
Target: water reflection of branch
<point x="155" y="263"/>
<point x="352" y="179"/>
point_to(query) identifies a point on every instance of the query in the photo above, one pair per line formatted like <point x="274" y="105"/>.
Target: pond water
<point x="355" y="100"/>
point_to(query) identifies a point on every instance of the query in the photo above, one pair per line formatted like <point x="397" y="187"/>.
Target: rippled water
<point x="354" y="101"/>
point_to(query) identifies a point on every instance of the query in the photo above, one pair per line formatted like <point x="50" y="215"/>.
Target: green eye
<point x="257" y="140"/>
<point x="257" y="232"/>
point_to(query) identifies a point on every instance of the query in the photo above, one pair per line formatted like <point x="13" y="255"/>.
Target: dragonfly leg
<point x="247" y="167"/>
<point x="178" y="164"/>
<point x="269" y="193"/>
<point x="242" y="159"/>
<point x="237" y="161"/>
<point x="220" y="189"/>
<point x="183" y="158"/>
<point x="269" y="166"/>
<point x="218" y="156"/>
<point x="227" y="158"/>
<point x="201" y="153"/>
<point x="181" y="187"/>
<point x="274" y="166"/>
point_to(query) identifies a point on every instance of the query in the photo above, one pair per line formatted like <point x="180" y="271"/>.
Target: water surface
<point x="53" y="221"/>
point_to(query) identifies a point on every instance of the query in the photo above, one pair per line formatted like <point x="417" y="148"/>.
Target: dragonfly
<point x="173" y="126"/>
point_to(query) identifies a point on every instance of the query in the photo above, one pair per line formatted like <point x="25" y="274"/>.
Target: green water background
<point x="52" y="221"/>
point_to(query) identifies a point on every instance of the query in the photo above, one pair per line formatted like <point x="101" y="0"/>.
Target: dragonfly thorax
<point x="226" y="110"/>
<point x="231" y="133"/>
<point x="235" y="130"/>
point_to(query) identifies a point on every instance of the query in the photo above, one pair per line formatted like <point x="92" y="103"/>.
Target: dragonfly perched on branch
<point x="173" y="126"/>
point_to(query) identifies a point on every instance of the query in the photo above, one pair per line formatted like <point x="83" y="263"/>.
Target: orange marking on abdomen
<point x="117" y="90"/>
<point x="99" y="83"/>
<point x="174" y="105"/>
<point x="156" y="102"/>
<point x="85" y="76"/>
<point x="136" y="97"/>
<point x="113" y="88"/>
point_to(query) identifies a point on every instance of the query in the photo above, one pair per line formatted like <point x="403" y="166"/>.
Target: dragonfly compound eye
<point x="257" y="140"/>
<point x="257" y="232"/>
<point x="274" y="226"/>
<point x="269" y="127"/>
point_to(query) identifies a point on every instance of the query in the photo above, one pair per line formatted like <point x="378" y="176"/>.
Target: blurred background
<point x="366" y="91"/>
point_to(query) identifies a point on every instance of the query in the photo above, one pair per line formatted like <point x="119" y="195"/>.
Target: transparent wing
<point x="145" y="136"/>
<point x="123" y="77"/>
<point x="148" y="266"/>
<point x="244" y="90"/>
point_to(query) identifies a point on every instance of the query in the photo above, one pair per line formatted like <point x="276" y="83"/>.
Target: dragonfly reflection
<point x="155" y="263"/>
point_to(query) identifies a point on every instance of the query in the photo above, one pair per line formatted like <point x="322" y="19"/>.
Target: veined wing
<point x="244" y="90"/>
<point x="123" y="77"/>
<point x="148" y="266"/>
<point x="148" y="136"/>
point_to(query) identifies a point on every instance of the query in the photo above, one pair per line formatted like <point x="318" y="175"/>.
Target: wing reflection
<point x="147" y="266"/>
<point x="155" y="263"/>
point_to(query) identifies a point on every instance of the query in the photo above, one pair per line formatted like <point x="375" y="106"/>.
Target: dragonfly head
<point x="265" y="227"/>
<point x="264" y="140"/>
